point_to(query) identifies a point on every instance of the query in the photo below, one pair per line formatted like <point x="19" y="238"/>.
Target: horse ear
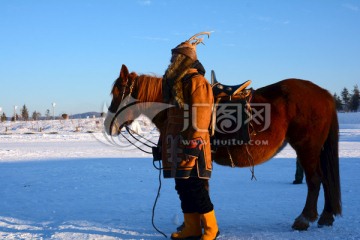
<point x="124" y="72"/>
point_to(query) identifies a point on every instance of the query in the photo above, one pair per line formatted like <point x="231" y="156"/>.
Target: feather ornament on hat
<point x="188" y="48"/>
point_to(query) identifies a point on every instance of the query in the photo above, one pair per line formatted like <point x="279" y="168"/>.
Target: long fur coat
<point x="186" y="143"/>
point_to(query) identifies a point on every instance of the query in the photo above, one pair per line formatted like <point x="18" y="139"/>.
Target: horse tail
<point x="329" y="159"/>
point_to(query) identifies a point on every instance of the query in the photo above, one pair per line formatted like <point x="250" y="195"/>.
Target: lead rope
<point x="133" y="133"/>
<point x="159" y="188"/>
<point x="249" y="156"/>
<point x="158" y="168"/>
<point x="156" y="199"/>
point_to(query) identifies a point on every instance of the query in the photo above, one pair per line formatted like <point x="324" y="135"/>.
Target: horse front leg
<point x="309" y="213"/>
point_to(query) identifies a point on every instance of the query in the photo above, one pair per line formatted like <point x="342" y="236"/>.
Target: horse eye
<point x="116" y="91"/>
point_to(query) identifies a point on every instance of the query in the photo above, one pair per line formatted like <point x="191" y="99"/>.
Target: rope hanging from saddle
<point x="232" y="97"/>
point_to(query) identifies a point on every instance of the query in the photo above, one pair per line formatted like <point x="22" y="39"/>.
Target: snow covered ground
<point x="66" y="180"/>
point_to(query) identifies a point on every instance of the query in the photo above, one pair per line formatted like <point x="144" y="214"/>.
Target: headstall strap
<point x="131" y="88"/>
<point x="124" y="90"/>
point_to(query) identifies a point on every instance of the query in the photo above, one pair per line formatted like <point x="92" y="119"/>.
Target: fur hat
<point x="187" y="49"/>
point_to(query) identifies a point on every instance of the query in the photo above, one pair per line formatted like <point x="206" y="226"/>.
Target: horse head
<point x="122" y="110"/>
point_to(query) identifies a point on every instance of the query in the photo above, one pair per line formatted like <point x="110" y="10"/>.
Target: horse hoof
<point x="301" y="223"/>
<point x="326" y="219"/>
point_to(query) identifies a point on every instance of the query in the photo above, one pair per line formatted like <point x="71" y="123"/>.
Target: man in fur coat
<point x="186" y="152"/>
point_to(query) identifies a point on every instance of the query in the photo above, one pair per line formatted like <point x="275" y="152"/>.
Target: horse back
<point x="299" y="106"/>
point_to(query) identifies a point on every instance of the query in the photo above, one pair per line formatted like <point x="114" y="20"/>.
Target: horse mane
<point x="149" y="88"/>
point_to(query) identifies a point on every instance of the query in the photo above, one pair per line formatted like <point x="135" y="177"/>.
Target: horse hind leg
<point x="326" y="219"/>
<point x="329" y="158"/>
<point x="327" y="216"/>
<point x="313" y="180"/>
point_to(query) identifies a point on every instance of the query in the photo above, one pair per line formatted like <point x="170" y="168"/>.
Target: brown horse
<point x="299" y="112"/>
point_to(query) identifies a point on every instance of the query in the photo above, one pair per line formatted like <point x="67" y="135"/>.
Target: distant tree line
<point x="25" y="116"/>
<point x="346" y="101"/>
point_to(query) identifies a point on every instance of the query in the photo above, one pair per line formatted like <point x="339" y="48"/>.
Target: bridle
<point x="124" y="88"/>
<point x="129" y="88"/>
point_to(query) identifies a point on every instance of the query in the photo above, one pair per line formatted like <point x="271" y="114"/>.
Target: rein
<point x="142" y="140"/>
<point x="133" y="134"/>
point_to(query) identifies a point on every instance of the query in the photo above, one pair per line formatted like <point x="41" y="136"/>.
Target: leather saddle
<point x="231" y="94"/>
<point x="221" y="90"/>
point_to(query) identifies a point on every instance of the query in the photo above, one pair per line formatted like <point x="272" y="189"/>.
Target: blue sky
<point x="70" y="52"/>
